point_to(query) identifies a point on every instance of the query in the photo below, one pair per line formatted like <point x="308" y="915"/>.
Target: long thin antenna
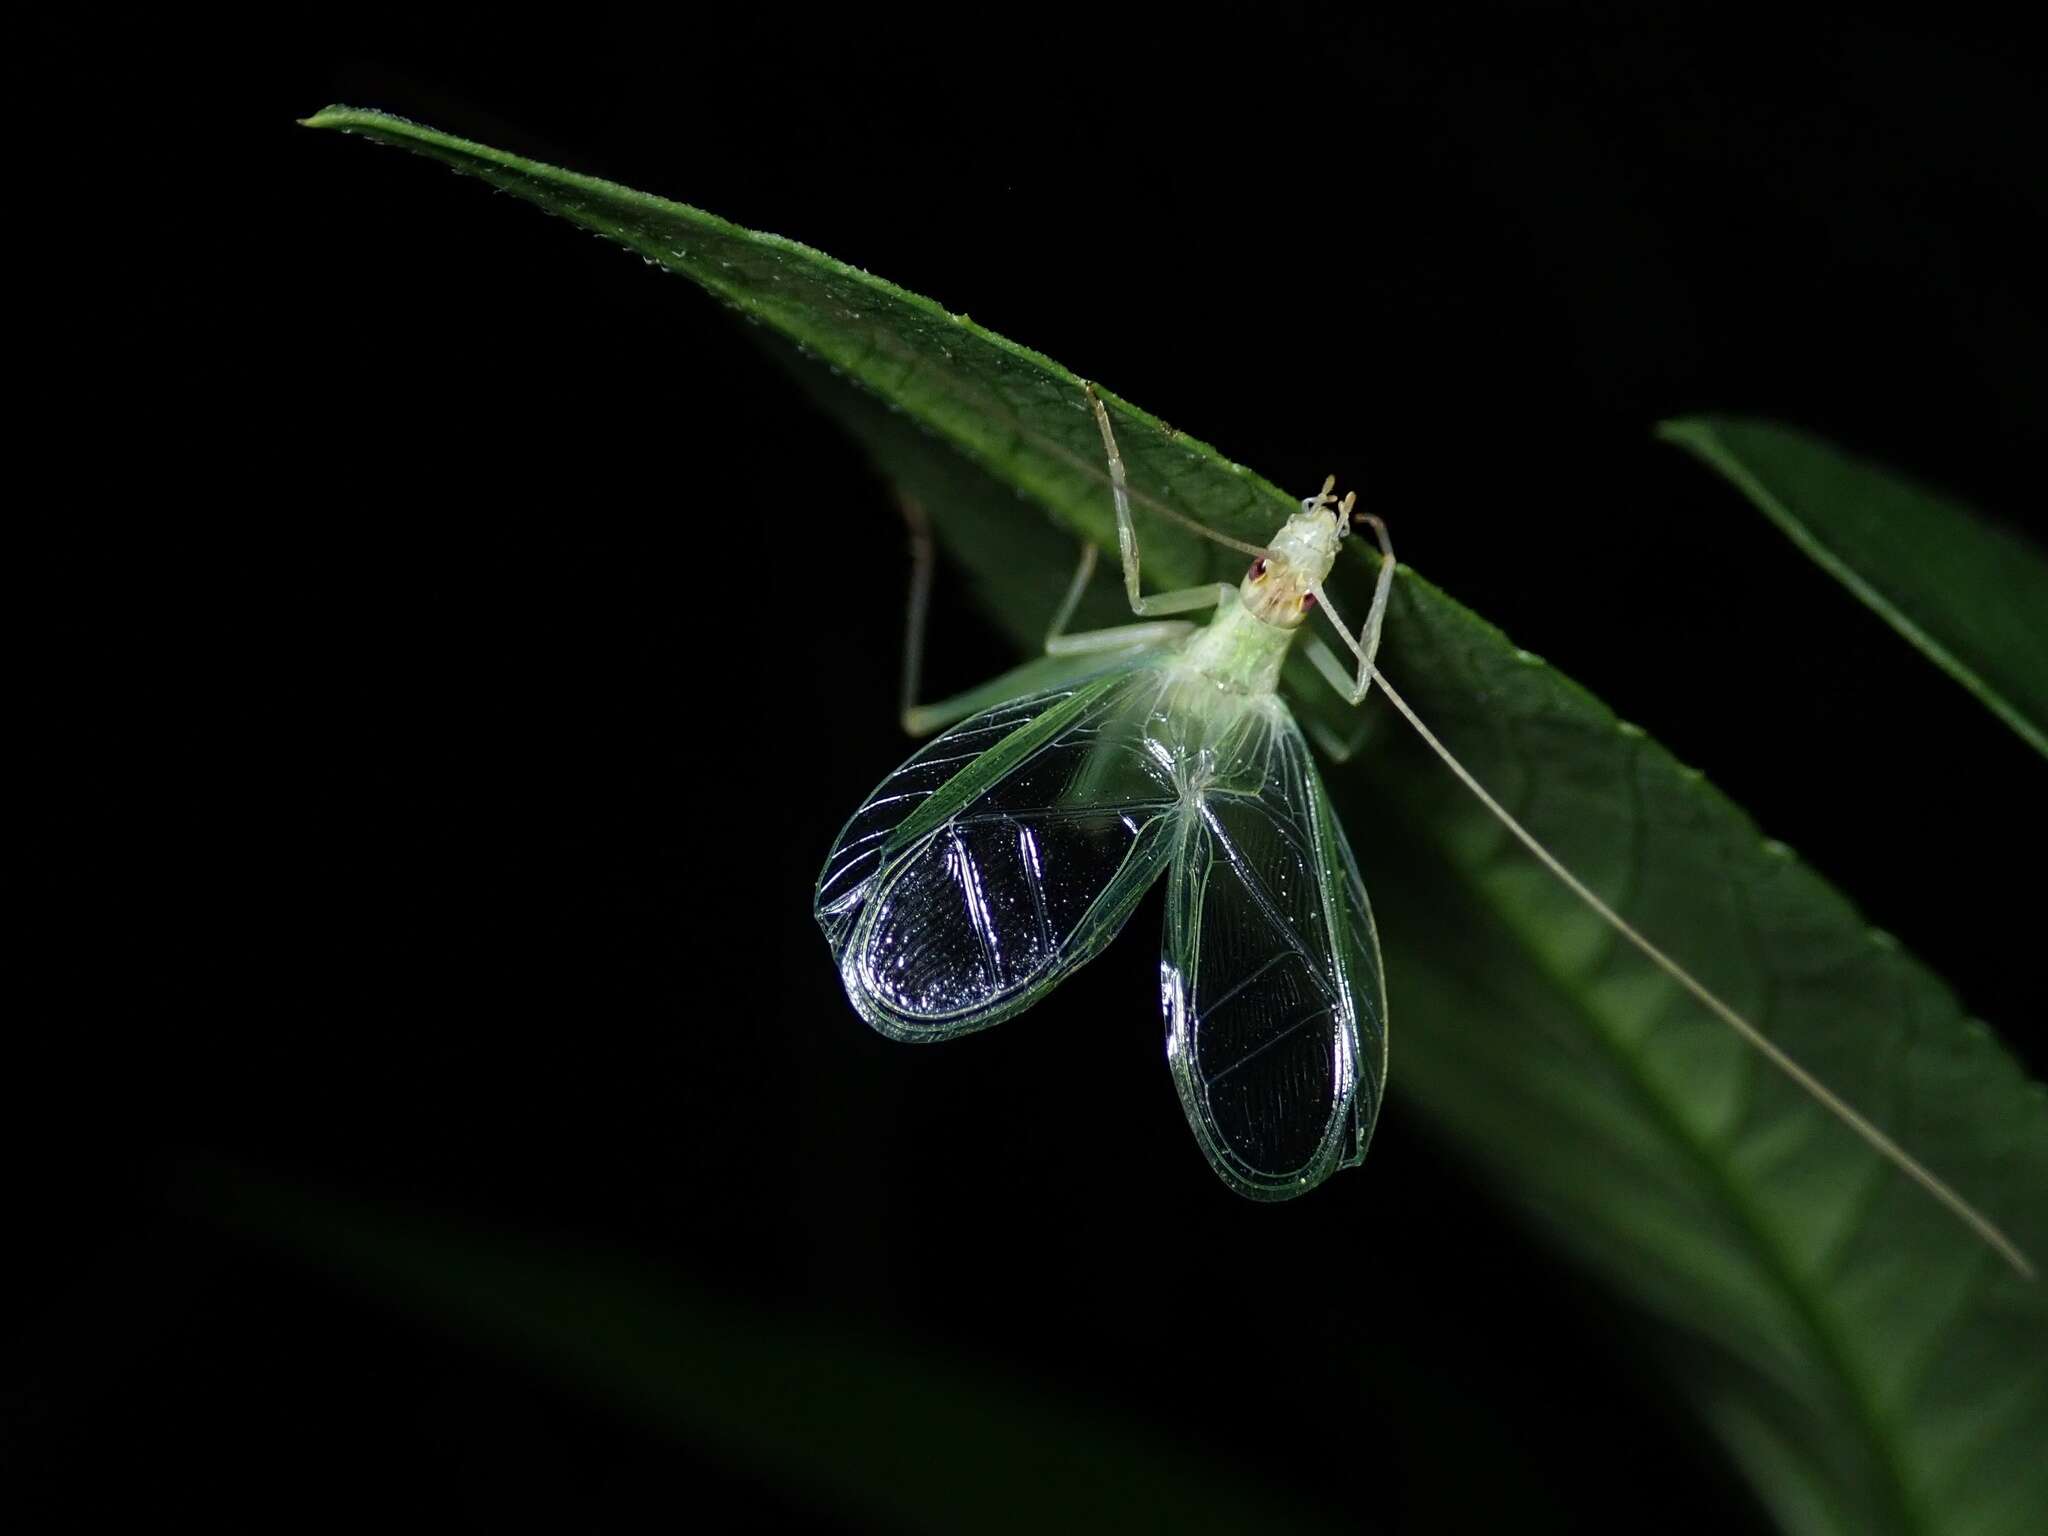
<point x="1898" y="1156"/>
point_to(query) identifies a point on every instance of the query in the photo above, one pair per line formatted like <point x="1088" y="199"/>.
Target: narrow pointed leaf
<point x="1869" y="1364"/>
<point x="1971" y="596"/>
<point x="841" y="1417"/>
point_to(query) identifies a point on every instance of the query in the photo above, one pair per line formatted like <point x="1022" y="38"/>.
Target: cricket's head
<point x="1281" y="585"/>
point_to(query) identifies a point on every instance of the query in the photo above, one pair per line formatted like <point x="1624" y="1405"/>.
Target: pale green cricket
<point x="1011" y="849"/>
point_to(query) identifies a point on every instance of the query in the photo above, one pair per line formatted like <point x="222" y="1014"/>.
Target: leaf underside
<point x="1971" y="596"/>
<point x="1868" y="1364"/>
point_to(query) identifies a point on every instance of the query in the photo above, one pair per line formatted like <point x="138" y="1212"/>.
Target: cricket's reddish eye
<point x="1308" y="601"/>
<point x="1258" y="570"/>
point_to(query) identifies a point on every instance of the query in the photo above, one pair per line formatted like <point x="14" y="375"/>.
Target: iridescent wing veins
<point x="1270" y="978"/>
<point x="1001" y="856"/>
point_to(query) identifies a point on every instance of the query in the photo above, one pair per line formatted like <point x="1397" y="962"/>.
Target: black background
<point x="462" y="646"/>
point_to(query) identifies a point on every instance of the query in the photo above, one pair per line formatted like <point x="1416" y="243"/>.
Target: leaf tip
<point x="1686" y="431"/>
<point x="336" y="115"/>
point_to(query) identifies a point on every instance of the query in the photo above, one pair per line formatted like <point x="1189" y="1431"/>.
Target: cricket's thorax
<point x="1243" y="645"/>
<point x="1237" y="650"/>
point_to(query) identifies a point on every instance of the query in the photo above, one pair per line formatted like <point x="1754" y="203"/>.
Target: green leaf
<point x="1870" y="1365"/>
<point x="1971" y="596"/>
<point x="844" y="1418"/>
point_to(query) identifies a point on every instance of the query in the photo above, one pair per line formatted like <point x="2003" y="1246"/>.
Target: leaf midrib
<point x="1805" y="1300"/>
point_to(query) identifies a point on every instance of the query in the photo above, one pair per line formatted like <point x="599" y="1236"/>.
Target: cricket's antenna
<point x="1898" y="1156"/>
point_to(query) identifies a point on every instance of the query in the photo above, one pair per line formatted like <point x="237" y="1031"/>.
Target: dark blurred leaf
<point x="1971" y="596"/>
<point x="838" y="1416"/>
<point x="1872" y="1367"/>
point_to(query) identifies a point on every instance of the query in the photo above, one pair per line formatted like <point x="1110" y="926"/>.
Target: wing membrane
<point x="1271" y="983"/>
<point x="1000" y="857"/>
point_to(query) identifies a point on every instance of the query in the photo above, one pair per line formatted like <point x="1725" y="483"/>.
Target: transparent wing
<point x="1000" y="857"/>
<point x="1271" y="983"/>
